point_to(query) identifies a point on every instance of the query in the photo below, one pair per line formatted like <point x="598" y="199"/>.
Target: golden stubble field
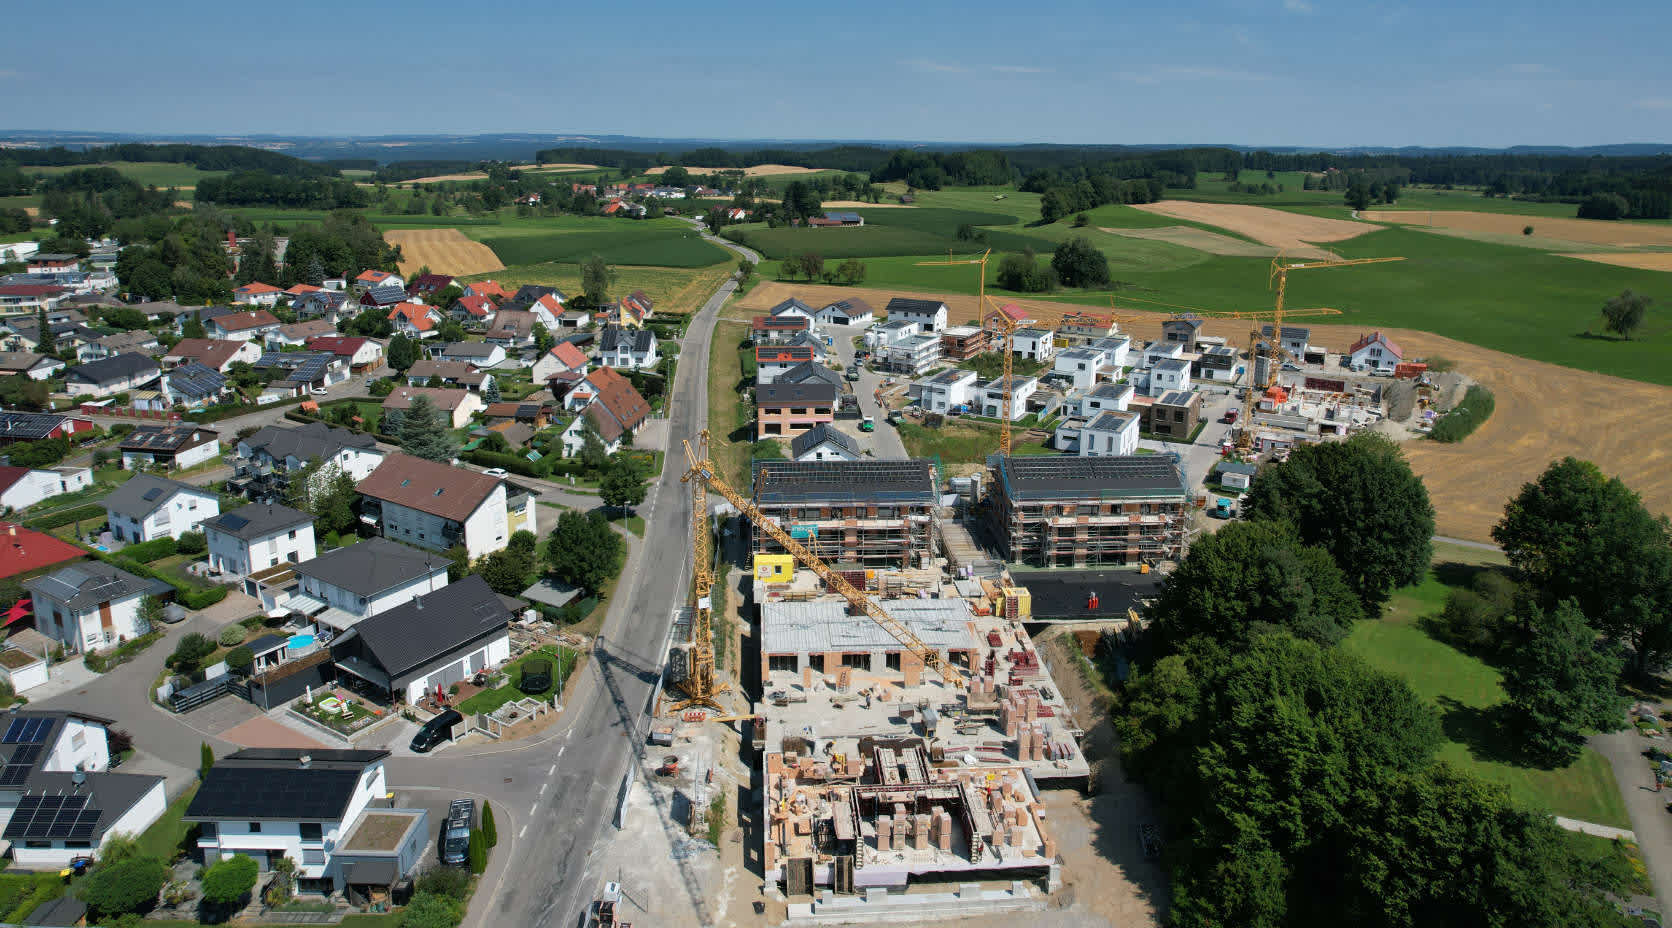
<point x="759" y="170"/>
<point x="1544" y="411"/>
<point x="1293" y="233"/>
<point x="1588" y="231"/>
<point x="444" y="251"/>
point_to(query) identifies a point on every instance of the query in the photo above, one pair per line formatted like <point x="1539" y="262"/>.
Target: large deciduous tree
<point x="1252" y="577"/>
<point x="1359" y="500"/>
<point x="1078" y="263"/>
<point x="1575" y="533"/>
<point x="584" y="550"/>
<point x="596" y="278"/>
<point x="1562" y="679"/>
<point x="1624" y="313"/>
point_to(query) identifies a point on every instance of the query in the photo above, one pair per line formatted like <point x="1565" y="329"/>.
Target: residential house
<point x="456" y="405"/>
<point x="489" y="289"/>
<point x="915" y="354"/>
<point x="561" y="358"/>
<point x="530" y="412"/>
<point x="257" y="294"/>
<point x="425" y="285"/>
<point x="947" y="390"/>
<point x="302" y="370"/>
<point x="1034" y="343"/>
<point x="25" y="551"/>
<point x="1079" y="328"/>
<point x="34" y="426"/>
<point x="368" y="279"/>
<point x="31" y="365"/>
<point x="612" y="405"/>
<point x="138" y="341"/>
<point x="437" y="506"/>
<point x="451" y="373"/>
<point x="1113" y="433"/>
<point x="91" y="605"/>
<point x="481" y="354"/>
<point x="516" y="435"/>
<point x="316" y="806"/>
<point x="736" y="214"/>
<point x="548" y="311"/>
<point x="847" y="312"/>
<point x="264" y="462"/>
<point x="1104" y="397"/>
<point x="883" y="335"/>
<point x="22" y="487"/>
<point x="357" y="353"/>
<point x="809" y="340"/>
<point x="190" y="384"/>
<point x="429" y="644"/>
<point x="147" y="507"/>
<point x="785" y="410"/>
<point x="1083" y="367"/>
<point x="1173" y="416"/>
<point x="215" y="354"/>
<point x="340" y="588"/>
<point x="297" y="291"/>
<point x="574" y="319"/>
<point x="255" y="325"/>
<point x="930" y="314"/>
<point x="772" y="360"/>
<point x="175" y="446"/>
<point x="1294" y="339"/>
<point x="297" y="334"/>
<point x="258" y="536"/>
<point x="824" y="443"/>
<point x="793" y="308"/>
<point x="1182" y="330"/>
<point x="992" y="396"/>
<point x="776" y="329"/>
<point x="60" y="802"/>
<point x="511" y="328"/>
<point x="528" y="294"/>
<point x="635" y="309"/>
<point x="110" y="376"/>
<point x="1218" y="364"/>
<point x="52" y="263"/>
<point x="1160" y="350"/>
<point x="962" y="342"/>
<point x="414" y="320"/>
<point x="383" y="296"/>
<point x="1375" y="352"/>
<point x="1168" y="375"/>
<point x="332" y="306"/>
<point x="627" y="349"/>
<point x="469" y="308"/>
<point x="810" y="371"/>
<point x="28" y="298"/>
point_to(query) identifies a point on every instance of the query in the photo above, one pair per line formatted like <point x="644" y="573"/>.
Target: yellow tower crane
<point x="702" y="471"/>
<point x="699" y="685"/>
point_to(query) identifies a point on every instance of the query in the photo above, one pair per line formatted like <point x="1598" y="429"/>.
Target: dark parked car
<point x="435" y="731"/>
<point x="455" y="838"/>
<point x="536" y="676"/>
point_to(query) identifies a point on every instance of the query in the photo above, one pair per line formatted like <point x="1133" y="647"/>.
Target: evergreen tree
<point x="206" y="760"/>
<point x="490" y="393"/>
<point x="402" y="353"/>
<point x="316" y="272"/>
<point x="193" y="328"/>
<point x="45" y="343"/>
<point x="424" y="434"/>
<point x="489" y="831"/>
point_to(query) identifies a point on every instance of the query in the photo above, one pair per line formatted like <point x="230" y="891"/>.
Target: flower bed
<point x="338" y="711"/>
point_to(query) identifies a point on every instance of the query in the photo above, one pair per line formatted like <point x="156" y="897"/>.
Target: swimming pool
<point x="301" y="641"/>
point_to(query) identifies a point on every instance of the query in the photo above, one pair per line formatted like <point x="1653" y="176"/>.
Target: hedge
<point x="154" y="550"/>
<point x="510" y="462"/>
<point x="1477" y="406"/>
<point x="66" y="517"/>
<point x="184" y="594"/>
<point x="217" y="413"/>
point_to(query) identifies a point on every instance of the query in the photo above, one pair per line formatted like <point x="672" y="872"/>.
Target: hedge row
<point x="66" y="517"/>
<point x="184" y="594"/>
<point x="154" y="550"/>
<point x="1477" y="406"/>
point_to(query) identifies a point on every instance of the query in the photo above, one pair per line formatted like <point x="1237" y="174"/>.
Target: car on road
<point x="536" y="676"/>
<point x="435" y="731"/>
<point x="852" y="374"/>
<point x="455" y="837"/>
<point x="1230" y="416"/>
<point x="319" y="391"/>
<point x="1291" y="366"/>
<point x="496" y="472"/>
<point x="868" y="424"/>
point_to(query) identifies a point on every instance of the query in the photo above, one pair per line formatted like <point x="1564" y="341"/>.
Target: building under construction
<point x="1092" y="511"/>
<point x="851" y="513"/>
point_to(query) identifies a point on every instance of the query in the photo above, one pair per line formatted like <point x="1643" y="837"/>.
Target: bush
<point x="240" y="657"/>
<point x="200" y="599"/>
<point x="516" y="464"/>
<point x="490" y="832"/>
<point x="427" y="910"/>
<point x="227" y="882"/>
<point x="231" y="635"/>
<point x="1475" y="409"/>
<point x="128" y="885"/>
<point x="1478" y="619"/>
<point x="154" y="550"/>
<point x="448" y="882"/>
<point x="191" y="649"/>
<point x="192" y="543"/>
<point x="478" y="851"/>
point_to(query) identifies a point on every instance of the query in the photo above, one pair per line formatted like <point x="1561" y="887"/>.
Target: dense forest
<point x="259" y="188"/>
<point x="87" y="202"/>
<point x="203" y="157"/>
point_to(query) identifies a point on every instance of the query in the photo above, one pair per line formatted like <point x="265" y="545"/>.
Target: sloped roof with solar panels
<point x="431" y="625"/>
<point x="85" y="585"/>
<point x="307" y="367"/>
<point x="196" y="381"/>
<point x="257" y="520"/>
<point x="144" y="493"/>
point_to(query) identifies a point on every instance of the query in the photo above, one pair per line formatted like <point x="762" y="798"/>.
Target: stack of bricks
<point x="901" y="824"/>
<point x="885" y="831"/>
<point x="920" y="832"/>
<point x="1019" y="708"/>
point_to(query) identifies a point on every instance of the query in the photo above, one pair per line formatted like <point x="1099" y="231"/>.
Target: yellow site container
<point x="1016" y="602"/>
<point x="774" y="568"/>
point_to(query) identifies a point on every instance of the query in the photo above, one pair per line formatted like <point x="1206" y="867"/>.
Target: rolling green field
<point x="154" y="173"/>
<point x="913" y="231"/>
<point x="1465" y="689"/>
<point x="651" y="242"/>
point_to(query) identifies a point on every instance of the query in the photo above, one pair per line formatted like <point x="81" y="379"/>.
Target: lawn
<point x="914" y="231"/>
<point x="572" y="239"/>
<point x="729" y="415"/>
<point x="1465" y="689"/>
<point x="163" y="838"/>
<point x="489" y="700"/>
<point x="962" y="441"/>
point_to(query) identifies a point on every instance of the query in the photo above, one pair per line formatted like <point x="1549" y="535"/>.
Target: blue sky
<point x="1250" y="72"/>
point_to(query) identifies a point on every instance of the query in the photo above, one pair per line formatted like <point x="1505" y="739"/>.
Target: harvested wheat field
<point x="1200" y="239"/>
<point x="1544" y="411"/>
<point x="1590" y="231"/>
<point x="1290" y="232"/>
<point x="555" y="166"/>
<point x="861" y="204"/>
<point x="444" y="251"/>
<point x="439" y="178"/>
<point x="1637" y="260"/>
<point x="759" y="170"/>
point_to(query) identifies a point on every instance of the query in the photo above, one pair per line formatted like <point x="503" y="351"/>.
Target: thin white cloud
<point x="936" y="67"/>
<point x="1017" y="69"/>
<point x="1654" y="103"/>
<point x="1297" y="6"/>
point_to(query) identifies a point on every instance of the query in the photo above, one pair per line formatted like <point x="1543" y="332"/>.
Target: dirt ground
<point x="445" y="251"/>
<point x="1200" y="239"/>
<point x="1290" y="232"/>
<point x="759" y="170"/>
<point x="1591" y="231"/>
<point x="1543" y="411"/>
<point x="1642" y="261"/>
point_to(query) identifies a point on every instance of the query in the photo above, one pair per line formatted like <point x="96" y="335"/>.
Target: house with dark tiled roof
<point x="216" y="354"/>
<point x="930" y="315"/>
<point x="247" y="326"/>
<point x="451" y="374"/>
<point x="175" y="446"/>
<point x="30" y="364"/>
<point x="91" y="605"/>
<point x="824" y="443"/>
<point x="297" y="334"/>
<point x="427" y="284"/>
<point x="358" y="352"/>
<point x="432" y="642"/>
<point x="511" y="328"/>
<point x="383" y="295"/>
<point x="147" y="507"/>
<point x="110" y="376"/>
<point x="627" y="349"/>
<point x="258" y="536"/>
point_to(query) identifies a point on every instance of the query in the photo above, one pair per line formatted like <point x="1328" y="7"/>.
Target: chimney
<point x="306" y="760"/>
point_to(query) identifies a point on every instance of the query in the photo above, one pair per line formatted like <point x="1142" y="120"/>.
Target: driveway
<point x="884" y="442"/>
<point x="1646" y="807"/>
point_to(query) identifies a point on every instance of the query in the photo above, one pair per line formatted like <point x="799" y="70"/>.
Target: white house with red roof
<point x="488" y="288"/>
<point x="302" y="290"/>
<point x="547" y="310"/>
<point x="242" y="327"/>
<point x="562" y="357"/>
<point x="257" y="294"/>
<point x="414" y="320"/>
<point x="357" y="352"/>
<point x="473" y="308"/>
<point x="366" y="280"/>
<point x="1374" y="352"/>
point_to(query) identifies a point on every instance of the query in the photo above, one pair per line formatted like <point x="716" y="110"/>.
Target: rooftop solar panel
<point x="51" y="818"/>
<point x="233" y="523"/>
<point x="153" y="493"/>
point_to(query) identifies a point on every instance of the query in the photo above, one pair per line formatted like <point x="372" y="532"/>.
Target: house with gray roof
<point x="812" y="372"/>
<point x="432" y="642"/>
<point x="258" y="536"/>
<point x="343" y="587"/>
<point x="148" y="507"/>
<point x="263" y="463"/>
<point x="91" y="605"/>
<point x="824" y="443"/>
<point x="110" y="376"/>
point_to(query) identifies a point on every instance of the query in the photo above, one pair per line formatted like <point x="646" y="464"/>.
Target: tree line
<point x="260" y="188"/>
<point x="1301" y="785"/>
<point x="202" y="157"/>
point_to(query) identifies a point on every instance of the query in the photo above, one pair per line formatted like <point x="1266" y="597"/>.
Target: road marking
<point x="553" y="770"/>
<point x="544" y="786"/>
<point x="560" y="749"/>
<point x="522" y="831"/>
<point x="533" y="807"/>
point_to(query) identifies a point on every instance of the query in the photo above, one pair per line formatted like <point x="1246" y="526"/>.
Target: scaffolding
<point x="864" y="514"/>
<point x="1091" y="512"/>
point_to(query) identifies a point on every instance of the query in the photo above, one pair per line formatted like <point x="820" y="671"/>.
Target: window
<point x="255" y="828"/>
<point x="312" y="831"/>
<point x="781" y="662"/>
<point x="891" y="660"/>
<point x="293" y="534"/>
<point x="78" y="844"/>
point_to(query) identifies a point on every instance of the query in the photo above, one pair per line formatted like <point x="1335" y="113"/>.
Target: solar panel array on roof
<point x="153" y="493"/>
<point x="233" y="523"/>
<point x="21" y="764"/>
<point x="1063" y="477"/>
<point x="26" y="731"/>
<point x="52" y="818"/>
<point x="897" y="482"/>
<point x="28" y="425"/>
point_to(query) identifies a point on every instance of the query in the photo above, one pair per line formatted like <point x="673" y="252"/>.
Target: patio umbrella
<point x="19" y="609"/>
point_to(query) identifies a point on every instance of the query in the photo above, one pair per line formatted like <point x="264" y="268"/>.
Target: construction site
<point x="1090" y="511"/>
<point x="865" y="514"/>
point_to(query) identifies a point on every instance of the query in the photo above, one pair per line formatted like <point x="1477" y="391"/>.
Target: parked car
<point x="536" y="676"/>
<point x="1291" y="366"/>
<point x="496" y="472"/>
<point x="455" y="838"/>
<point x="868" y="424"/>
<point x="319" y="391"/>
<point x="435" y="731"/>
<point x="852" y="374"/>
<point x="1230" y="416"/>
